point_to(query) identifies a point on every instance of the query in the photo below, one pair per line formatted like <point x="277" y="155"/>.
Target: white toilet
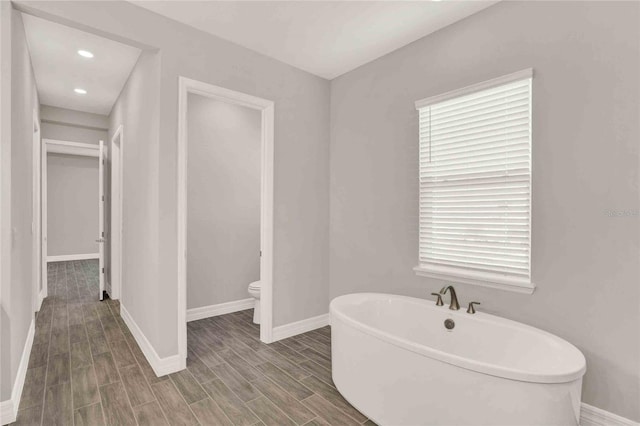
<point x="254" y="291"/>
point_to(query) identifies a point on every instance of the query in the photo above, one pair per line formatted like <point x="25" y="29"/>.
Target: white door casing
<point x="100" y="239"/>
<point x="115" y="237"/>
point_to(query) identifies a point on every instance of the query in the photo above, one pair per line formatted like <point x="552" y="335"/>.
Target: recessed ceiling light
<point x="85" y="53"/>
<point x="80" y="91"/>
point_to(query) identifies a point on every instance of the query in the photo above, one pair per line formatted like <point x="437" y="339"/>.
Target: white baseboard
<point x="219" y="309"/>
<point x="9" y="408"/>
<point x="160" y="366"/>
<point x="299" y="327"/>
<point x="68" y="257"/>
<point x="593" y="416"/>
<point x="41" y="297"/>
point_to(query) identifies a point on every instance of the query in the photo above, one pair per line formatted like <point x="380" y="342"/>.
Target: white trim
<point x="41" y="296"/>
<point x="518" y="75"/>
<point x="57" y="142"/>
<point x="160" y="366"/>
<point x="36" y="212"/>
<point x="299" y="327"/>
<point x="44" y="216"/>
<point x="117" y="289"/>
<point x="68" y="257"/>
<point x="9" y="408"/>
<point x="593" y="416"/>
<point x="71" y="148"/>
<point x="186" y="86"/>
<point x="483" y="279"/>
<point x="202" y="312"/>
<point x="7" y="413"/>
<point x="100" y="240"/>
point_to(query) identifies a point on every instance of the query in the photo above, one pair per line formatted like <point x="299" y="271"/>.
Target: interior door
<point x="100" y="239"/>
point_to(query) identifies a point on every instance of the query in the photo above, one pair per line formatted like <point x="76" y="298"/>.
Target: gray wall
<point x="17" y="244"/>
<point x="72" y="181"/>
<point x="223" y="199"/>
<point x="73" y="126"/>
<point x="137" y="111"/>
<point x="6" y="372"/>
<point x="585" y="57"/>
<point x="72" y="204"/>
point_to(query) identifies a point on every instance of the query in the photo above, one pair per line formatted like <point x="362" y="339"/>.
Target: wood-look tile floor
<point x="86" y="369"/>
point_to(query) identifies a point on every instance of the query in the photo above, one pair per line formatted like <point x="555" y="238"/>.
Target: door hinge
<point x="102" y="268"/>
<point x="103" y="198"/>
<point x="260" y="253"/>
<point x="103" y="233"/>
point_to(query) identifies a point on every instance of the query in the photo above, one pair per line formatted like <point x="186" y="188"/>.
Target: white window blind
<point x="475" y="183"/>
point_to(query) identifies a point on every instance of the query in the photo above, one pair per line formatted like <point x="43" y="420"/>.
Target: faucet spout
<point x="454" y="305"/>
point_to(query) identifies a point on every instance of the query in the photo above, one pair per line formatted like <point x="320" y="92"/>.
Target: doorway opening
<point x="264" y="113"/>
<point x="72" y="188"/>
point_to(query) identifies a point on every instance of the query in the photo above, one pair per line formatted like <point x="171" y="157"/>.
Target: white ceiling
<point x="59" y="69"/>
<point x="326" y="38"/>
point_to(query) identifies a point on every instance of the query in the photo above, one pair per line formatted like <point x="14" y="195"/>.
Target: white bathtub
<point x="394" y="360"/>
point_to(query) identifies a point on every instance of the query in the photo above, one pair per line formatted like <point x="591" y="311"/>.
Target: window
<point x="475" y="184"/>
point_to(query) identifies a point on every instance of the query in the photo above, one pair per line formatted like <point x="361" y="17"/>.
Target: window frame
<point x="488" y="279"/>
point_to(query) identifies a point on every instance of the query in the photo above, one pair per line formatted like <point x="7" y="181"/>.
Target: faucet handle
<point x="439" y="301"/>
<point x="471" y="309"/>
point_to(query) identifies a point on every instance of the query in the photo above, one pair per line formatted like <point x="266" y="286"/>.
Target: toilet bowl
<point x="254" y="291"/>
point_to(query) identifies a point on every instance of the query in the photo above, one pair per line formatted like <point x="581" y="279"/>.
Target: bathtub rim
<point x="459" y="361"/>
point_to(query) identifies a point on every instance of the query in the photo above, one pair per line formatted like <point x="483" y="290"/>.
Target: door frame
<point x="36" y="217"/>
<point x="56" y="147"/>
<point x="101" y="237"/>
<point x="116" y="227"/>
<point x="267" y="108"/>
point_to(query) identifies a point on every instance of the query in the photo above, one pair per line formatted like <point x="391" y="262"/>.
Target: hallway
<point x="83" y="357"/>
<point x="86" y="369"/>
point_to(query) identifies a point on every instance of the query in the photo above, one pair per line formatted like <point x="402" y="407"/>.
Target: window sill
<point x="454" y="275"/>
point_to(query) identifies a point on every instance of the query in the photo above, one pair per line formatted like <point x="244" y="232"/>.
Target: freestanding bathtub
<point x="394" y="360"/>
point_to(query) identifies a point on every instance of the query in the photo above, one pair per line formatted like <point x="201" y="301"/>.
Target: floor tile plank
<point x="29" y="416"/>
<point x="328" y="411"/>
<point x="57" y="405"/>
<point x="188" y="386"/>
<point x="295" y="388"/>
<point x="233" y="407"/>
<point x="59" y="370"/>
<point x="283" y="400"/>
<point x="39" y="354"/>
<point x="116" y="407"/>
<point x="91" y="415"/>
<point x="332" y="395"/>
<point x="80" y="354"/>
<point x="269" y="413"/>
<point x="33" y="389"/>
<point x="136" y="385"/>
<point x="172" y="404"/>
<point x="210" y="413"/>
<point x="105" y="369"/>
<point x="318" y="371"/>
<point x="122" y="355"/>
<point x="318" y="358"/>
<point x="85" y="387"/>
<point x="150" y="414"/>
<point x="236" y="382"/>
